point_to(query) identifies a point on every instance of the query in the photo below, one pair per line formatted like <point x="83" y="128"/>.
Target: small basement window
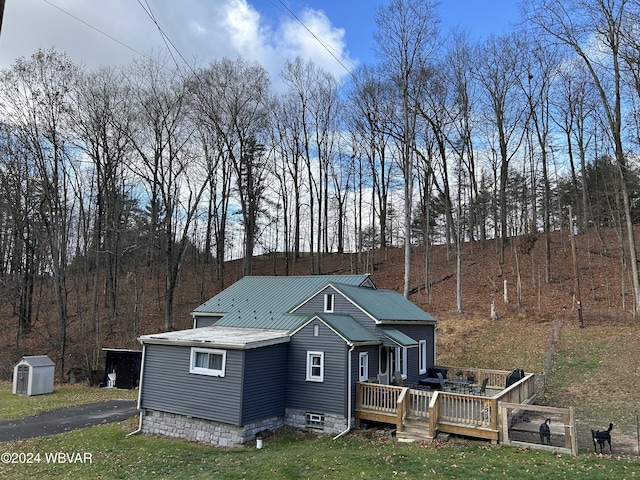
<point x="315" y="420"/>
<point x="205" y="361"/>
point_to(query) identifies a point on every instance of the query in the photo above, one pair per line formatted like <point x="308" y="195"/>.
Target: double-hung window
<point x="206" y="361"/>
<point x="422" y="354"/>
<point x="315" y="366"/>
<point x="328" y="302"/>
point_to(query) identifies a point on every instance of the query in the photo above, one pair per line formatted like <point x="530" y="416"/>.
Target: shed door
<point x="23" y="380"/>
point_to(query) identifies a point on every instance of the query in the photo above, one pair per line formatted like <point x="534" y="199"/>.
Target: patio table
<point x="460" y="384"/>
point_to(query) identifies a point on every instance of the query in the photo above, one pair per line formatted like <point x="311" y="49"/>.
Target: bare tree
<point x="36" y="99"/>
<point x="582" y="25"/>
<point x="315" y="93"/>
<point x="234" y="98"/>
<point x="573" y="111"/>
<point x="288" y="143"/>
<point x="406" y="37"/>
<point x="163" y="140"/>
<point x="498" y="73"/>
<point x="371" y="108"/>
<point x="541" y="66"/>
<point x="102" y="129"/>
<point x="21" y="243"/>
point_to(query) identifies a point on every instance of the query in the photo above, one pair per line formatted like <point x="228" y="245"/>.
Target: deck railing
<point x="497" y="378"/>
<point x="457" y="413"/>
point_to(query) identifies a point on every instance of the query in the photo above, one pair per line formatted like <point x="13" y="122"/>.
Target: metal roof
<point x="385" y="305"/>
<point x="264" y="302"/>
<point x="348" y="328"/>
<point x="38" y="361"/>
<point x="397" y="337"/>
<point x="219" y="337"/>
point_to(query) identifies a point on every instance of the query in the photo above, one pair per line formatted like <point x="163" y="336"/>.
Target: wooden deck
<point x="424" y="413"/>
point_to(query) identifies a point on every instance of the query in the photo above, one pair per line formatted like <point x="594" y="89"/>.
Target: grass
<point x="292" y="455"/>
<point x="15" y="406"/>
<point x="593" y="369"/>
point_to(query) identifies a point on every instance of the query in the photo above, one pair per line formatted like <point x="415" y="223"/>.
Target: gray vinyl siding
<point x="265" y="383"/>
<point x="340" y="305"/>
<point x="205" y="321"/>
<point x="418" y="332"/>
<point x="374" y="367"/>
<point x="319" y="397"/>
<point x="168" y="386"/>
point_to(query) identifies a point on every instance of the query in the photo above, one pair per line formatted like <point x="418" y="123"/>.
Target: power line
<point x="165" y="38"/>
<point x="94" y="28"/>
<point x="318" y="39"/>
<point x="171" y="46"/>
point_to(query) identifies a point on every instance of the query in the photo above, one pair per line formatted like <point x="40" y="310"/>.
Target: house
<point x="274" y="351"/>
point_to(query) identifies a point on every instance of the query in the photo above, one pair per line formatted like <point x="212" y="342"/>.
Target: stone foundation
<point x="298" y="419"/>
<point x="205" y="431"/>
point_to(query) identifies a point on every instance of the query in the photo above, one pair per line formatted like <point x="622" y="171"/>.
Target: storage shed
<point x="122" y="368"/>
<point x="33" y="375"/>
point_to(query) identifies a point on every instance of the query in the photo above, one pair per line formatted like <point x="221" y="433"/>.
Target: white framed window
<point x="314" y="420"/>
<point x="422" y="356"/>
<point x="399" y="361"/>
<point x="328" y="302"/>
<point x="205" y="361"/>
<point x="315" y="366"/>
<point x="363" y="367"/>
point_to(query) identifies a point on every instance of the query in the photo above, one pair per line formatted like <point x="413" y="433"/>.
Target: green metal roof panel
<point x="398" y="337"/>
<point x="348" y="328"/>
<point x="385" y="305"/>
<point x="264" y="302"/>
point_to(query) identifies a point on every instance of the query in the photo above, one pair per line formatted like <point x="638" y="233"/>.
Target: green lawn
<point x="111" y="454"/>
<point x="15" y="406"/>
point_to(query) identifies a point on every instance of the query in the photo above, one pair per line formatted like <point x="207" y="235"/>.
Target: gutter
<point x="135" y="432"/>
<point x="349" y="401"/>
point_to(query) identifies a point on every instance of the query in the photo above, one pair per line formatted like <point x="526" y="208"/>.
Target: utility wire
<point x="94" y="28"/>
<point x="165" y="38"/>
<point x="170" y="45"/>
<point x="318" y="39"/>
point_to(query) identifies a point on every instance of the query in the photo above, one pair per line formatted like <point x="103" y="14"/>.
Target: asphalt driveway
<point x="65" y="419"/>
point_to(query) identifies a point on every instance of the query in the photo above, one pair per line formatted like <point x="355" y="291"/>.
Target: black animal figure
<point x="600" y="437"/>
<point x="545" y="432"/>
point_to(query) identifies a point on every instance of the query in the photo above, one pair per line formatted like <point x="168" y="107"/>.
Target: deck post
<point x="358" y="403"/>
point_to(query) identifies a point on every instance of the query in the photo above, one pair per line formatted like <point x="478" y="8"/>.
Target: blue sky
<point x="261" y="30"/>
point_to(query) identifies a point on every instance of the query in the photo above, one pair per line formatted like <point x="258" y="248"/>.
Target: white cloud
<point x="202" y="29"/>
<point x="326" y="41"/>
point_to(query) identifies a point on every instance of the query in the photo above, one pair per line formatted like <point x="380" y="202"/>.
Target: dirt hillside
<point x="594" y="368"/>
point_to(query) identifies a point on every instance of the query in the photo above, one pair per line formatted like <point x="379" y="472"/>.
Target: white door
<point x="385" y="358"/>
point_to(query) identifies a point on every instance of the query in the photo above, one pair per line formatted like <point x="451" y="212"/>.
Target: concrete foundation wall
<point x="205" y="431"/>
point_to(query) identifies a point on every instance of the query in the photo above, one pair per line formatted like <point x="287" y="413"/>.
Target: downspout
<point x="349" y="401"/>
<point x="135" y="432"/>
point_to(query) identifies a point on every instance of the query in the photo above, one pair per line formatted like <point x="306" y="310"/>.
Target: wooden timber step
<point x="414" y="429"/>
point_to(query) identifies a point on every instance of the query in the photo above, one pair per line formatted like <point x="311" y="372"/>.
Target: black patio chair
<point x="482" y="390"/>
<point x="443" y="384"/>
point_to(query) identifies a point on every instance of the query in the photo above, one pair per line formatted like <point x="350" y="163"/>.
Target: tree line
<point x="443" y="140"/>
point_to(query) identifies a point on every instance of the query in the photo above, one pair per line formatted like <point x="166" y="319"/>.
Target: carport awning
<point x="397" y="337"/>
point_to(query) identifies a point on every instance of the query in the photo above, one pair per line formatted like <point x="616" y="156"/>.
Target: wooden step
<point x="414" y="429"/>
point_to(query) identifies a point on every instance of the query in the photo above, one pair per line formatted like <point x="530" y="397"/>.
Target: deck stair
<point x="414" y="429"/>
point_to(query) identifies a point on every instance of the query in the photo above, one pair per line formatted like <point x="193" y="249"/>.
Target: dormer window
<point x="328" y="302"/>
